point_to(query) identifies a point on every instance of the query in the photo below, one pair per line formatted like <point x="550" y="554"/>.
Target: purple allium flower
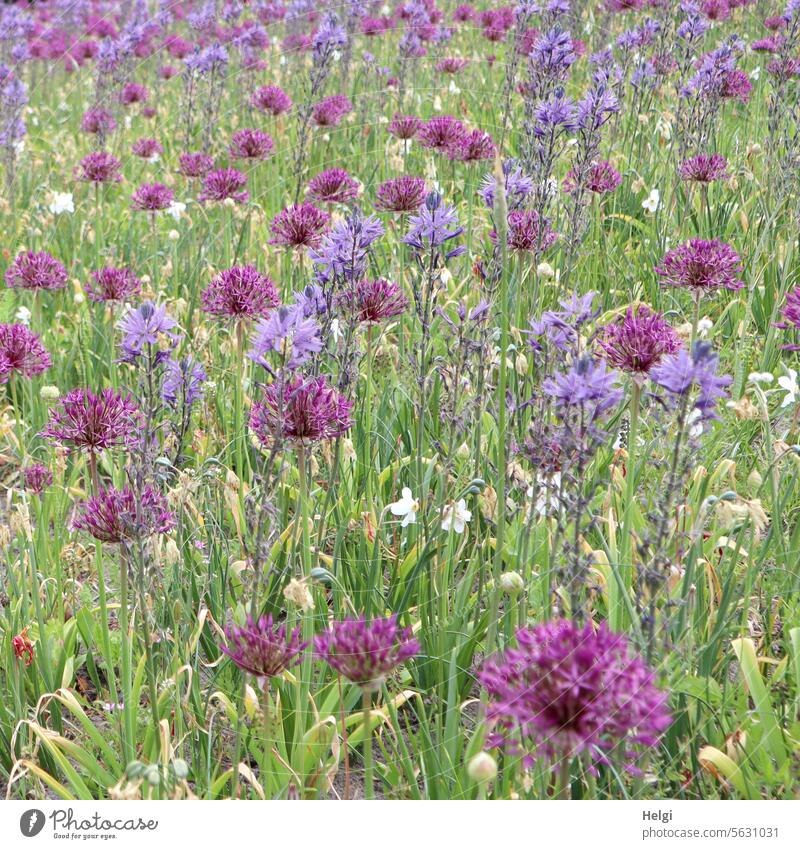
<point x="224" y="183"/>
<point x="21" y="352"/>
<point x="434" y="224"/>
<point x="117" y="516"/>
<point x="451" y="65"/>
<point x="441" y="132"/>
<point x="146" y="148"/>
<point x="737" y="85"/>
<point x="704" y="168"/>
<point x="112" y="284"/>
<point x="263" y="649"/>
<point x="517" y="185"/>
<point x="194" y="165"/>
<point x="152" y="197"/>
<point x="93" y="423"/>
<point x="405" y="127"/>
<point x="36" y="478"/>
<point x="300" y="225"/>
<point x="683" y="370"/>
<point x="99" y="167"/>
<point x="366" y="652"/>
<point x="98" y="121"/>
<point x="401" y="194"/>
<point x="251" y="144"/>
<point x="240" y="292"/>
<point x="330" y="110"/>
<point x="373" y="301"/>
<point x="701" y="265"/>
<point x="602" y="179"/>
<point x="790" y="317"/>
<point x="271" y="99"/>
<point x="333" y="186"/>
<point x="147" y="326"/>
<point x="587" y="383"/>
<point x="36" y="271"/>
<point x="183" y="382"/>
<point x="567" y="689"/>
<point x="290" y="333"/>
<point x="472" y="147"/>
<point x="638" y="340"/>
<point x="304" y="410"/>
<point x="133" y="93"/>
<point x="526" y="233"/>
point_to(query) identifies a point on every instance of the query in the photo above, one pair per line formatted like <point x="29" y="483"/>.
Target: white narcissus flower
<point x="23" y="316"/>
<point x="760" y="377"/>
<point x="703" y="326"/>
<point x="694" y="422"/>
<point x="455" y="516"/>
<point x="652" y="202"/>
<point x="406" y="507"/>
<point x="788" y="382"/>
<point x="62" y="202"/>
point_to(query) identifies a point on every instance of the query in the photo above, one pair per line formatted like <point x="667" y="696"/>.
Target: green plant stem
<point x="369" y="789"/>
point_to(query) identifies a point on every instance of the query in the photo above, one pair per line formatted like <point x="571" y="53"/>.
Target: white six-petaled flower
<point x="788" y="383"/>
<point x="652" y="201"/>
<point x="62" y="202"/>
<point x="455" y="515"/>
<point x="406" y="507"/>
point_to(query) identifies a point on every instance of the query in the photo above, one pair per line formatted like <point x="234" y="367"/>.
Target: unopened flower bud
<point x="482" y="768"/>
<point x="512" y="583"/>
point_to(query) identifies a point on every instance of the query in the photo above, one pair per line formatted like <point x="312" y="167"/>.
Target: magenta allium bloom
<point x="568" y="689"/>
<point x="330" y="110"/>
<point x="271" y="99"/>
<point x="167" y="72"/>
<point x="737" y="85"/>
<point x="366" y="652"/>
<point x="98" y="121"/>
<point x="251" y="144"/>
<point x="240" y="292"/>
<point x="112" y="284"/>
<point x="194" y="165"/>
<point x="99" y="167"/>
<point x="602" y="179"/>
<point x="441" y="132"/>
<point x="451" y="65"/>
<point x="473" y="146"/>
<point x="401" y="194"/>
<point x="21" y="352"/>
<point x="152" y="197"/>
<point x="304" y="410"/>
<point x="225" y="183"/>
<point x="525" y="233"/>
<point x="300" y="225"/>
<point x="333" y="186"/>
<point x="405" y="126"/>
<point x="36" y="478"/>
<point x="700" y="265"/>
<point x="133" y="93"/>
<point x="638" y="340"/>
<point x="373" y="301"/>
<point x="790" y="317"/>
<point x="36" y="271"/>
<point x="93" y="423"/>
<point x="146" y="148"/>
<point x="263" y="649"/>
<point x="704" y="168"/>
<point x="118" y="516"/>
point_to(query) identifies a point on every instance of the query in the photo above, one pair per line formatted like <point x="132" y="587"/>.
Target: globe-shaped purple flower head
<point x="251" y="144"/>
<point x="366" y="652"/>
<point x="31" y="270"/>
<point x="790" y="317"/>
<point x="704" y="168"/>
<point x="333" y="186"/>
<point x="118" y="516"/>
<point x="36" y="478"/>
<point x="94" y="423"/>
<point x="21" y="352"/>
<point x="239" y="293"/>
<point x="567" y="689"/>
<point x="401" y="194"/>
<point x="195" y="165"/>
<point x="373" y="301"/>
<point x="152" y="197"/>
<point x="701" y="265"/>
<point x="262" y="648"/>
<point x="271" y="100"/>
<point x="405" y="127"/>
<point x="300" y="225"/>
<point x="304" y="410"/>
<point x="99" y="167"/>
<point x="224" y="183"/>
<point x="638" y="340"/>
<point x="111" y="284"/>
